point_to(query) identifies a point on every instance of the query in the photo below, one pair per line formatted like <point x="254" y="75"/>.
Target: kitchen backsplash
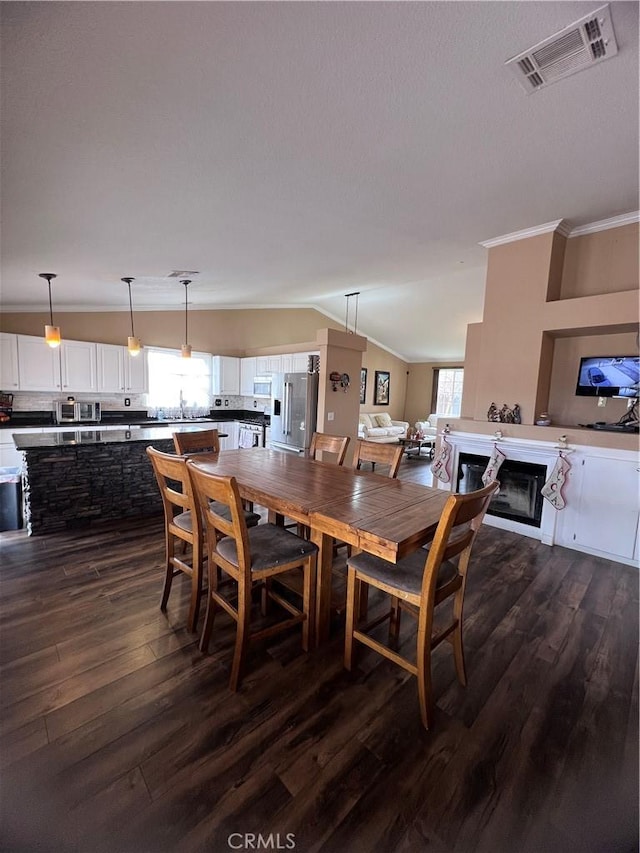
<point x="42" y="401"/>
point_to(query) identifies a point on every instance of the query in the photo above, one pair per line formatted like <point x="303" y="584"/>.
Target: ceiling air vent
<point x="575" y="48"/>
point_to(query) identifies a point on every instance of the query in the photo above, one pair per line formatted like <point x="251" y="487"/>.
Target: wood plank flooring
<point x="118" y="735"/>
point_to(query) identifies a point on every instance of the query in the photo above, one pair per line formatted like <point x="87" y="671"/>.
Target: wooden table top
<point x="386" y="517"/>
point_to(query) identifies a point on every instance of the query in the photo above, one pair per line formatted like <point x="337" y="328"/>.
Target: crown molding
<point x="563" y="227"/>
<point x="605" y="224"/>
<point x="546" y="228"/>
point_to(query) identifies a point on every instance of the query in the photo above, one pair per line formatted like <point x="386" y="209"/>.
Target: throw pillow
<point x="365" y="420"/>
<point x="383" y="420"/>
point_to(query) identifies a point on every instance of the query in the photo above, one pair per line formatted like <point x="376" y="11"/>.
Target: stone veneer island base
<point x="103" y="477"/>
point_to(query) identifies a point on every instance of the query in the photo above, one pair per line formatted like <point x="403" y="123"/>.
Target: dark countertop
<point x="134" y="418"/>
<point x="37" y="441"/>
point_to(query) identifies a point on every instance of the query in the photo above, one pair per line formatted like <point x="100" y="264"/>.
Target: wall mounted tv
<point x="609" y="376"/>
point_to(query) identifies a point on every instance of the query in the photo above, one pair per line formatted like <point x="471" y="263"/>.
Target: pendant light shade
<point x="133" y="343"/>
<point x="186" y="346"/>
<point x="51" y="332"/>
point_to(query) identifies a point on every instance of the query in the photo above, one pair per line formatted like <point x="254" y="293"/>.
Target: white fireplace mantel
<point x="601" y="493"/>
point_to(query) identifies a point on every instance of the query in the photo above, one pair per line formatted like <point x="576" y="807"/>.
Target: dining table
<point x="386" y="517"/>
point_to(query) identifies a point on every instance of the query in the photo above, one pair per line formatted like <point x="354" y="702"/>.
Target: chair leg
<point x="456" y="640"/>
<point x="309" y="602"/>
<point x="168" y="578"/>
<point x="423" y="661"/>
<point x="242" y="637"/>
<point x="354" y="586"/>
<point x="196" y="586"/>
<point x="394" y="622"/>
<point x="211" y="608"/>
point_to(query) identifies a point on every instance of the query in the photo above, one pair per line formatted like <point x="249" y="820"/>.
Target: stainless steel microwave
<point x="262" y="386"/>
<point x="76" y="412"/>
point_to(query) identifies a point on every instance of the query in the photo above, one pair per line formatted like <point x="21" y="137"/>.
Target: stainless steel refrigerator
<point x="294" y="410"/>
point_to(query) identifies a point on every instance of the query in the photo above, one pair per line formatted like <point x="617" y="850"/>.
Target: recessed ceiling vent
<point x="575" y="48"/>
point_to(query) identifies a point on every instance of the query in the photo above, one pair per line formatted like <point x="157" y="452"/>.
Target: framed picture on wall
<point x="381" y="389"/>
<point x="363" y="384"/>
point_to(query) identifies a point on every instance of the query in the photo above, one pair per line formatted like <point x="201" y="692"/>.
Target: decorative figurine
<point x="493" y="414"/>
<point x="517" y="415"/>
<point x="506" y="414"/>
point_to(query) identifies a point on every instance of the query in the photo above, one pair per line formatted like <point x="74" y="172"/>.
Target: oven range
<point x="251" y="433"/>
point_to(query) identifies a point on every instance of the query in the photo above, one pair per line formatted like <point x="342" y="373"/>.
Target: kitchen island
<point x="74" y="479"/>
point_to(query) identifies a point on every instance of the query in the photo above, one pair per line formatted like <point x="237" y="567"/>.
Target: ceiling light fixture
<point x="51" y="332"/>
<point x="186" y="347"/>
<point x="133" y="344"/>
<point x="348" y="296"/>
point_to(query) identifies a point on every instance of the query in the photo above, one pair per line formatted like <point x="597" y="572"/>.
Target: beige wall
<point x="222" y="332"/>
<point x="340" y="352"/>
<point x="528" y="346"/>
<point x="374" y="359"/>
<point x="420" y="388"/>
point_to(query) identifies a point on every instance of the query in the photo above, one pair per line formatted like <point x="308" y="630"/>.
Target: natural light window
<point x="448" y="391"/>
<point x="176" y="382"/>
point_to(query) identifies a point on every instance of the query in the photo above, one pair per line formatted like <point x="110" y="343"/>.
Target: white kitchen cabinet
<point x="8" y="362"/>
<point x="267" y="364"/>
<point x="602" y="506"/>
<point x="78" y="366"/>
<point x="136" y="372"/>
<point x="226" y="374"/>
<point x="301" y="361"/>
<point x="247" y="375"/>
<point x="38" y="365"/>
<point x="110" y="366"/>
<point x="231" y="429"/>
<point x="120" y="372"/>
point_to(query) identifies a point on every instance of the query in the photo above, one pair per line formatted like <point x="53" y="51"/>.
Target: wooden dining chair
<point x="323" y="443"/>
<point x="378" y="453"/>
<point x="249" y="557"/>
<point x="418" y="584"/>
<point x="182" y="523"/>
<point x="207" y="441"/>
<point x="196" y="441"/>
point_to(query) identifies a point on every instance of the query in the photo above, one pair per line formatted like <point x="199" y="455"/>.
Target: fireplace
<point x="519" y="498"/>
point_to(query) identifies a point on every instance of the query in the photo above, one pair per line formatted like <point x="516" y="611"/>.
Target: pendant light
<point x="51" y="332"/>
<point x="133" y="344"/>
<point x="186" y="346"/>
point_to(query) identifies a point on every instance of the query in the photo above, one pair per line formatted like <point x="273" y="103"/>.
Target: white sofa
<point x="379" y="427"/>
<point x="428" y="428"/>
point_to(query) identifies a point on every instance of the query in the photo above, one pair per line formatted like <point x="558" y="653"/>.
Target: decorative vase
<point x="543" y="419"/>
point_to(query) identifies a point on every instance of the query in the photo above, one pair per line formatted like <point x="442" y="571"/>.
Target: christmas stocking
<point x="440" y="465"/>
<point x="552" y="489"/>
<point x="495" y="461"/>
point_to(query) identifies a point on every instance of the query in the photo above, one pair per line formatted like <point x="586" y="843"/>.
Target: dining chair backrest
<point x="169" y="470"/>
<point x="459" y="523"/>
<point x="196" y="441"/>
<point x="182" y="521"/>
<point x="378" y="453"/>
<point x="323" y="443"/>
<point x="215" y="489"/>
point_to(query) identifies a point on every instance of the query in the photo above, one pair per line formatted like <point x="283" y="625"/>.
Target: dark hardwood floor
<point x="118" y="735"/>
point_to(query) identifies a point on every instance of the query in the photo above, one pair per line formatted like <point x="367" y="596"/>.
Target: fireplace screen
<point x="519" y="498"/>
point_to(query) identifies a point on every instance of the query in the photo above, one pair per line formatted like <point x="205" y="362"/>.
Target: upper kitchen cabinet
<point x="266" y="364"/>
<point x="78" y="366"/>
<point x="226" y="374"/>
<point x="8" y="362"/>
<point x="38" y="365"/>
<point x="247" y="375"/>
<point x="119" y="372"/>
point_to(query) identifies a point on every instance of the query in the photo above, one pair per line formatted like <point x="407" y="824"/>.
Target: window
<point x="179" y="383"/>
<point x="447" y="391"/>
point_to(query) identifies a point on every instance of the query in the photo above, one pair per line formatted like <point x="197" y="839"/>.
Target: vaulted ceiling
<point x="291" y="153"/>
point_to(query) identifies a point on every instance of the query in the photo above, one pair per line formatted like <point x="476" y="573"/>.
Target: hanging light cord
<point x="356" y="293"/>
<point x="50" y="303"/>
<point x="186" y="283"/>
<point x="128" y="281"/>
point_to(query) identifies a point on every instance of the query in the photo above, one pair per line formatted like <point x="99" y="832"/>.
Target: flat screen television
<point x="609" y="376"/>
